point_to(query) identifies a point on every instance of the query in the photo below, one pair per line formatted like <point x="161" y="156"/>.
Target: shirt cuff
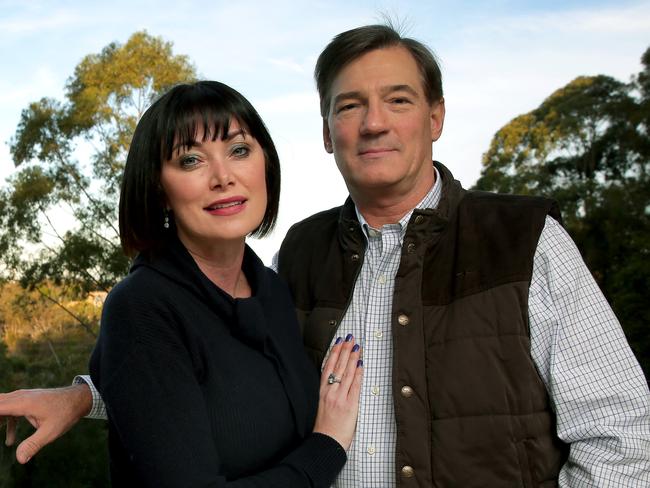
<point x="98" y="410"/>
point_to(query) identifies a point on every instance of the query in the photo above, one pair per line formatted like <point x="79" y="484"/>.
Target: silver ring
<point x="331" y="379"/>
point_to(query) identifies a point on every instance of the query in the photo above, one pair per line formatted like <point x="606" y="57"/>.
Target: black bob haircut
<point x="176" y="117"/>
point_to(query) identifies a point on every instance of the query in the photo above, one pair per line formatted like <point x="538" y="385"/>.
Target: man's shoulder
<point x="480" y="203"/>
<point x="491" y="198"/>
<point x="316" y="225"/>
<point x="319" y="218"/>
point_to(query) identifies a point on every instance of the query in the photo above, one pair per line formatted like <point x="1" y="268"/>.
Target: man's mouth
<point x="375" y="151"/>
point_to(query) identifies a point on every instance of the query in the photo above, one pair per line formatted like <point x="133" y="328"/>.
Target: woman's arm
<point x="158" y="413"/>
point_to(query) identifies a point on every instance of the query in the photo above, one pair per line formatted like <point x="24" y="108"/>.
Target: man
<point x="491" y="357"/>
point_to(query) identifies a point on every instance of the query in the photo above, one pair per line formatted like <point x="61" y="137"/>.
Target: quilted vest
<point x="470" y="407"/>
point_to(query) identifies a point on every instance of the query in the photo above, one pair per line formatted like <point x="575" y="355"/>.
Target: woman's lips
<point x="227" y="206"/>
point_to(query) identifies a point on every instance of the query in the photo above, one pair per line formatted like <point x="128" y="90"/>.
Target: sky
<point x="499" y="59"/>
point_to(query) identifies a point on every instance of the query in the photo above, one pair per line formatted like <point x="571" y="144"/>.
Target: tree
<point x="588" y="146"/>
<point x="58" y="213"/>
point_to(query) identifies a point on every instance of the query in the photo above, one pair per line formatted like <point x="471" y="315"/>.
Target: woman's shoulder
<point x="142" y="290"/>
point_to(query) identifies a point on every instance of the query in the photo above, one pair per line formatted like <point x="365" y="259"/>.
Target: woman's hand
<point x="339" y="394"/>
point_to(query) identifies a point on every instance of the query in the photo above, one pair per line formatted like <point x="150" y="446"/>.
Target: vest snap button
<point x="407" y="391"/>
<point x="408" y="472"/>
<point x="410" y="248"/>
<point x="355" y="257"/>
<point x="332" y="323"/>
<point x="419" y="219"/>
<point x="403" y="319"/>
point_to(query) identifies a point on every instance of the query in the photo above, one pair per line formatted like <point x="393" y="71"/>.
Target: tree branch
<point x="85" y="325"/>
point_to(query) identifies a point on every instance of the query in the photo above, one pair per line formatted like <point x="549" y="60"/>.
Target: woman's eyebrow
<point x="235" y="133"/>
<point x="184" y="144"/>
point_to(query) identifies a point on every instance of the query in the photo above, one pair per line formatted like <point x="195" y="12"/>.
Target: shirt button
<point x="419" y="219"/>
<point x="407" y="391"/>
<point x="374" y="390"/>
<point x="403" y="319"/>
<point x="379" y="334"/>
<point x="371" y="450"/>
<point x="408" y="472"/>
<point x="381" y="279"/>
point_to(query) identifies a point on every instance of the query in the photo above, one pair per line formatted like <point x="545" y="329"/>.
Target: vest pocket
<point x="524" y="464"/>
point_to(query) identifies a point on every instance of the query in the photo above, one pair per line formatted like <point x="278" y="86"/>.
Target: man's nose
<point x="374" y="120"/>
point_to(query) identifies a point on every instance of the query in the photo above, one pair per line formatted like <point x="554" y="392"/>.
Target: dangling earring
<point x="166" y="221"/>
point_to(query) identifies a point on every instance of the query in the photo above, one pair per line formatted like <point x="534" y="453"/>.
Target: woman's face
<point x="216" y="189"/>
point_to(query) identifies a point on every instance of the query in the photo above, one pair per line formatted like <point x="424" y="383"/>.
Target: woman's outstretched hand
<point x="340" y="387"/>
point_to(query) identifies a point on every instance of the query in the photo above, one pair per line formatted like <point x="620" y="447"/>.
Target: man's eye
<point x="347" y="106"/>
<point x="400" y="101"/>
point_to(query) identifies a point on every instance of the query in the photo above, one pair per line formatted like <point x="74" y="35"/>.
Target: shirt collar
<point x="430" y="200"/>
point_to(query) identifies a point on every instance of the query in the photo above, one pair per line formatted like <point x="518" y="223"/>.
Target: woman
<point x="199" y="358"/>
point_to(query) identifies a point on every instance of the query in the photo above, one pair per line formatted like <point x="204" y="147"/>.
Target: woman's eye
<point x="189" y="161"/>
<point x="240" y="151"/>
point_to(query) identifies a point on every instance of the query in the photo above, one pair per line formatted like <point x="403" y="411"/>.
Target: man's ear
<point x="327" y="140"/>
<point x="437" y="119"/>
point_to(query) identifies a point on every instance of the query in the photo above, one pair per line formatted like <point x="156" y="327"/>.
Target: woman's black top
<point x="205" y="390"/>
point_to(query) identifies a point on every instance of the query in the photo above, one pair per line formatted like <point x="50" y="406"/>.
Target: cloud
<point x="41" y="82"/>
<point x="622" y="19"/>
<point x="32" y="23"/>
<point x="292" y="65"/>
<point x="292" y="103"/>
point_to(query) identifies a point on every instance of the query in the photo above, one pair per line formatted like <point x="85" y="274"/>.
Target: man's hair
<point x="350" y="45"/>
<point x="175" y="119"/>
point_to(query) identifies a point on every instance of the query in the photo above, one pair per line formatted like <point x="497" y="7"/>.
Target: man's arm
<point x="596" y="386"/>
<point x="51" y="411"/>
<point x="98" y="409"/>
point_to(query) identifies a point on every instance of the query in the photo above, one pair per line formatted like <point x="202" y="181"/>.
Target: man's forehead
<point x="385" y="69"/>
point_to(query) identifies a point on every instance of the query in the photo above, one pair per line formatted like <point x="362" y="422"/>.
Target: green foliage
<point x="58" y="214"/>
<point x="42" y="345"/>
<point x="588" y="146"/>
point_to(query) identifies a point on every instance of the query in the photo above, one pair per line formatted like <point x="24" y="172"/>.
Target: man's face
<point x="380" y="126"/>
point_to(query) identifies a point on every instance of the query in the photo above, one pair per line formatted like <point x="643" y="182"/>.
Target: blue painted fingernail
<point x="348" y="338"/>
<point x="338" y="340"/>
<point x="355" y="348"/>
<point x="359" y="363"/>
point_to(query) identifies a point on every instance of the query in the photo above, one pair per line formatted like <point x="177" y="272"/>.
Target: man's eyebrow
<point x="347" y="96"/>
<point x="396" y="88"/>
<point x="355" y="94"/>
